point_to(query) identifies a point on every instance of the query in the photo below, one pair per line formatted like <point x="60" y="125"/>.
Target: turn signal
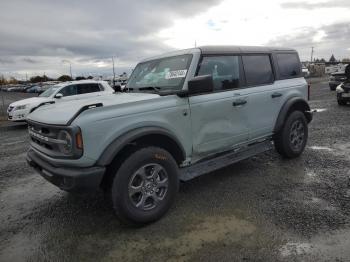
<point x="79" y="140"/>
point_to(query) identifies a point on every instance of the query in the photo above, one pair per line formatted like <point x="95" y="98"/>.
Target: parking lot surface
<point x="261" y="209"/>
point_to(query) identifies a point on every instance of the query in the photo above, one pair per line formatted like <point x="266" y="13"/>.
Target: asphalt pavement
<point x="261" y="209"/>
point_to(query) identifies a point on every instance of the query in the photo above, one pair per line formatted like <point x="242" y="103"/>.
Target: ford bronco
<point x="185" y="113"/>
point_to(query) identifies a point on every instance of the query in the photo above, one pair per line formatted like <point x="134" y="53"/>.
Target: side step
<point x="207" y="166"/>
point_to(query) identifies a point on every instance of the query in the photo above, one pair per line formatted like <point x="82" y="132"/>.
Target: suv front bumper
<point x="67" y="178"/>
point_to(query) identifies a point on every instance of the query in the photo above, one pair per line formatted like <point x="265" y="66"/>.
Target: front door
<point x="219" y="120"/>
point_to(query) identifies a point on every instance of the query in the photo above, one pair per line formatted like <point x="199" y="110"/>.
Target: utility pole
<point x="70" y="70"/>
<point x="113" y="72"/>
<point x="312" y="53"/>
<point x="195" y="43"/>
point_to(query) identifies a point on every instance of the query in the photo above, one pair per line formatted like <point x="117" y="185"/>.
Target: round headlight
<point x="67" y="146"/>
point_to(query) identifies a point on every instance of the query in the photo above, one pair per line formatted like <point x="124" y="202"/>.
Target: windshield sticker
<point x="176" y="74"/>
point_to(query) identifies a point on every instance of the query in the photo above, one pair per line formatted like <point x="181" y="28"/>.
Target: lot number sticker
<point x="176" y="74"/>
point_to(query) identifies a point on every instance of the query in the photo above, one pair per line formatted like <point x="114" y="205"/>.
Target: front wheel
<point x="291" y="140"/>
<point x="145" y="185"/>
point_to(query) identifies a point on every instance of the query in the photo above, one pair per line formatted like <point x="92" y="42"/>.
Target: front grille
<point x="44" y="138"/>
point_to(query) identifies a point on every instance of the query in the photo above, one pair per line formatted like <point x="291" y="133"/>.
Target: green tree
<point x="64" y="78"/>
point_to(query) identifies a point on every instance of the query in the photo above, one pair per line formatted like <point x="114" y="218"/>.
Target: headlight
<point x="67" y="146"/>
<point x="20" y="107"/>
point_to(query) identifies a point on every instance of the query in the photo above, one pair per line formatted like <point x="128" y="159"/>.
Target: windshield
<point x="49" y="91"/>
<point x="161" y="74"/>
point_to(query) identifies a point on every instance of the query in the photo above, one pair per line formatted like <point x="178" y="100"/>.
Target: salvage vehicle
<point x="18" y="111"/>
<point x="336" y="79"/>
<point x="343" y="90"/>
<point x="185" y="113"/>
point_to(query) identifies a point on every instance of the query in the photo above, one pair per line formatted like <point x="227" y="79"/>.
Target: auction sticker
<point x="176" y="74"/>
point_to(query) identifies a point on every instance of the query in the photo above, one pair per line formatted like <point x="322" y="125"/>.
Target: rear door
<point x="264" y="100"/>
<point x="217" y="124"/>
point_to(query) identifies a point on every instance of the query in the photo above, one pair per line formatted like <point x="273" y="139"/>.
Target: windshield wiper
<point x="150" y="88"/>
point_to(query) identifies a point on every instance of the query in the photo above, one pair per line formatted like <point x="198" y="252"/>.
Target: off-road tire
<point x="144" y="159"/>
<point x="285" y="139"/>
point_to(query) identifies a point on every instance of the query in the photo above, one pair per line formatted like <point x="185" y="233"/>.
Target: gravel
<point x="261" y="209"/>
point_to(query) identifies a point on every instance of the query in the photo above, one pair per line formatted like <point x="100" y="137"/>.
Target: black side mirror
<point x="200" y="85"/>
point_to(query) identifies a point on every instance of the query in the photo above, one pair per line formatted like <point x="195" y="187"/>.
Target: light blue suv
<point x="184" y="114"/>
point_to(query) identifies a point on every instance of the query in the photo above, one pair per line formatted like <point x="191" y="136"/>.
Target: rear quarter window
<point x="288" y="65"/>
<point x="258" y="69"/>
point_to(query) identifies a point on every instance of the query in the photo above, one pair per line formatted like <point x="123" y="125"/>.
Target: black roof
<point x="241" y="49"/>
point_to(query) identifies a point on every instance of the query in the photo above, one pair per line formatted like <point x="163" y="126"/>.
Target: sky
<point x="45" y="37"/>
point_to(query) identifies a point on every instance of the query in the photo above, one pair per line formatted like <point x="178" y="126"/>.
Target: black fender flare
<point x="296" y="103"/>
<point x="120" y="142"/>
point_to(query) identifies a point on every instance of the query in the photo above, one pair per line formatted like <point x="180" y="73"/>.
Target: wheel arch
<point x="153" y="136"/>
<point x="292" y="104"/>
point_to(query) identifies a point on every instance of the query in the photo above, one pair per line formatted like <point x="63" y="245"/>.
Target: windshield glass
<point x="49" y="91"/>
<point x="161" y="74"/>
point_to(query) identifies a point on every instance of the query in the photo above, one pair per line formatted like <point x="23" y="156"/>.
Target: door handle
<point x="239" y="102"/>
<point x="274" y="95"/>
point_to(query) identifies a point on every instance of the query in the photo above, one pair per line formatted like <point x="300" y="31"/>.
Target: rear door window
<point x="225" y="70"/>
<point x="88" y="88"/>
<point x="258" y="69"/>
<point x="288" y="65"/>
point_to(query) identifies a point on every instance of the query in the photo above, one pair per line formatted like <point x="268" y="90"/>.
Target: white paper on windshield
<point x="176" y="74"/>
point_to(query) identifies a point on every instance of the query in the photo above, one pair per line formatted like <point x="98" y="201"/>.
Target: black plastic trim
<point x="285" y="109"/>
<point x="119" y="143"/>
<point x="80" y="179"/>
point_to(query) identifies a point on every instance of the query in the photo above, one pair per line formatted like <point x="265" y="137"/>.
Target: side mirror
<point x="200" y="85"/>
<point x="58" y="95"/>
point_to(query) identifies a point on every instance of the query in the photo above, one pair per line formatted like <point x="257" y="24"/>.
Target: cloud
<point x="325" y="39"/>
<point x="83" y="30"/>
<point x="319" y="5"/>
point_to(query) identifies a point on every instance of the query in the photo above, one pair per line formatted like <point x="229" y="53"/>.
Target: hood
<point x="62" y="113"/>
<point x="32" y="101"/>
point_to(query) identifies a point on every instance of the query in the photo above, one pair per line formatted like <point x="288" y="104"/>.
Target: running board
<point x="207" y="166"/>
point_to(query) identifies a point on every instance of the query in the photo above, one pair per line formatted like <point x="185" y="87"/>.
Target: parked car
<point x="336" y="79"/>
<point x="305" y="71"/>
<point x="188" y="113"/>
<point x="63" y="92"/>
<point x="33" y="89"/>
<point x="343" y="90"/>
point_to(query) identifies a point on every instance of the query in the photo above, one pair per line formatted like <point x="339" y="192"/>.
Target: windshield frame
<point x="161" y="88"/>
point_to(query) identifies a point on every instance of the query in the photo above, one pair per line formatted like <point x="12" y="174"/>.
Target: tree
<point x="332" y="59"/>
<point x="80" y="78"/>
<point x="38" y="79"/>
<point x="346" y="60"/>
<point x="64" y="78"/>
<point x="90" y="77"/>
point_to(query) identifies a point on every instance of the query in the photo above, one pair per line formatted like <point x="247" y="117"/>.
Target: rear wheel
<point x="145" y="185"/>
<point x="291" y="140"/>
